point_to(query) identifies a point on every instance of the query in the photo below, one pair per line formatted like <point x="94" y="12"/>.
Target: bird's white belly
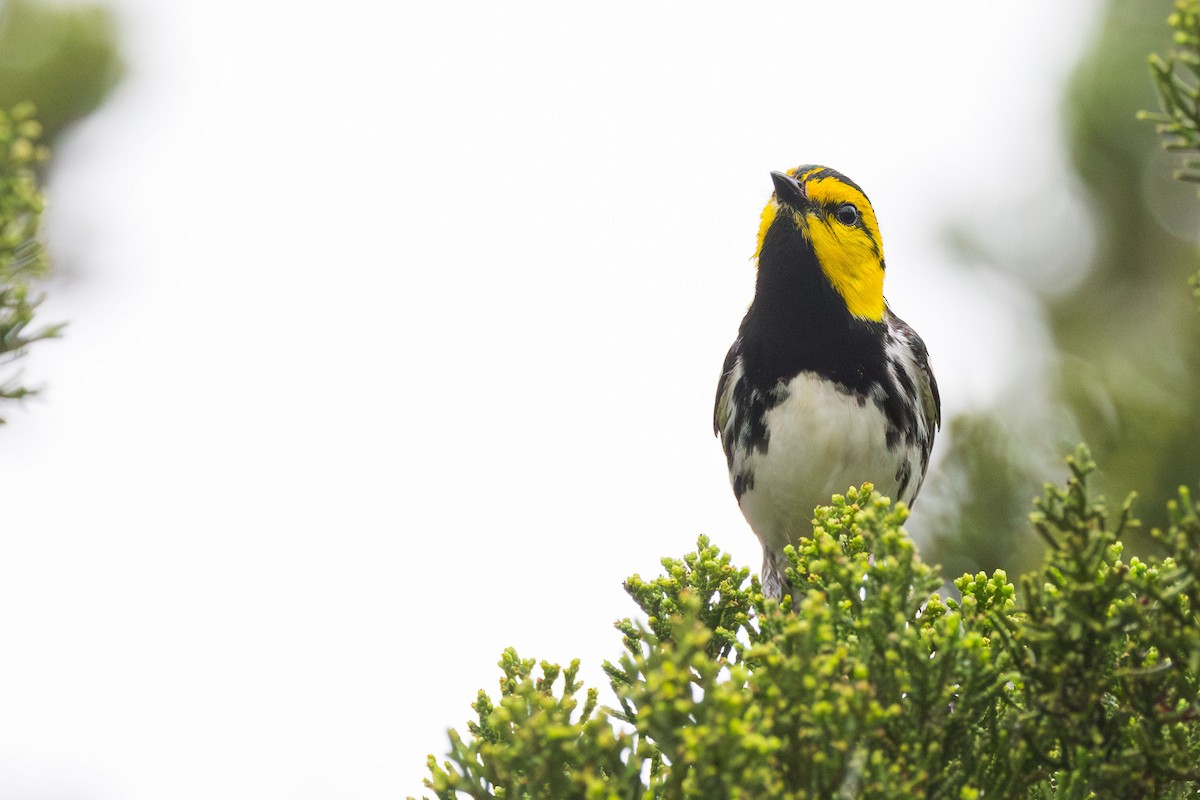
<point x="822" y="441"/>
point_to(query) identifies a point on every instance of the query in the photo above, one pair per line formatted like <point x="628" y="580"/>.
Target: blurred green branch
<point x="62" y="56"/>
<point x="1177" y="81"/>
<point x="22" y="257"/>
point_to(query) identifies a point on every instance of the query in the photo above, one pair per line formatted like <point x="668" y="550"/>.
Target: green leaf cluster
<point x="868" y="681"/>
<point x="22" y="257"/>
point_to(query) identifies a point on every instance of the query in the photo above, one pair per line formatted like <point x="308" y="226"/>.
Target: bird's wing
<point x="725" y="389"/>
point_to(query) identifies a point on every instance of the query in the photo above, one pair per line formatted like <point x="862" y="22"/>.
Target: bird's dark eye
<point x="846" y="214"/>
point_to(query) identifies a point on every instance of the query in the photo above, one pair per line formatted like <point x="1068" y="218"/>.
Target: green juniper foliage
<point x="22" y="259"/>
<point x="870" y="683"/>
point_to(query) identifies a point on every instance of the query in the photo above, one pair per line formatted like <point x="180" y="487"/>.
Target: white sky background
<point x="394" y="333"/>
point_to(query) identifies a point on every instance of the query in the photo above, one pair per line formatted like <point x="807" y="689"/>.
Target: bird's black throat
<point x="799" y="322"/>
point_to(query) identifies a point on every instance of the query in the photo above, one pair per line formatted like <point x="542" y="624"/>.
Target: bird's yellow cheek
<point x="852" y="265"/>
<point x="768" y="219"/>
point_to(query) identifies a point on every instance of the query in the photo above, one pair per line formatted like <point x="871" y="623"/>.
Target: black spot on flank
<point x="899" y="414"/>
<point x="742" y="484"/>
<point x="903" y="476"/>
<point x="754" y="406"/>
<point x="906" y="383"/>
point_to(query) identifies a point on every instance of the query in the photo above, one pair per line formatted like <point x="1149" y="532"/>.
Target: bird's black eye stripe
<point x="846" y="214"/>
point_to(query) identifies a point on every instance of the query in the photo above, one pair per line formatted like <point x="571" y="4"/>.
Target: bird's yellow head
<point x="835" y="218"/>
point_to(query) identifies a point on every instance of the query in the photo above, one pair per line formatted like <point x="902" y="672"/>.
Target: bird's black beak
<point x="789" y="190"/>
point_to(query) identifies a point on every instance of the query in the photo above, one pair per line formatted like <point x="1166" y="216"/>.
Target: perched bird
<point x="824" y="387"/>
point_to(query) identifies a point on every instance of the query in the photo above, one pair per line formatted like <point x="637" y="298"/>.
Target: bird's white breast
<point x="823" y="439"/>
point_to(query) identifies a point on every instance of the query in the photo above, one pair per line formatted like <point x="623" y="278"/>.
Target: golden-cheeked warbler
<point x="824" y="387"/>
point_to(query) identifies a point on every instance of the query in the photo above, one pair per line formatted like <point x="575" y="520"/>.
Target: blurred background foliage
<point x="1124" y="371"/>
<point x="1123" y="374"/>
<point x="63" y="57"/>
<point x="57" y="64"/>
